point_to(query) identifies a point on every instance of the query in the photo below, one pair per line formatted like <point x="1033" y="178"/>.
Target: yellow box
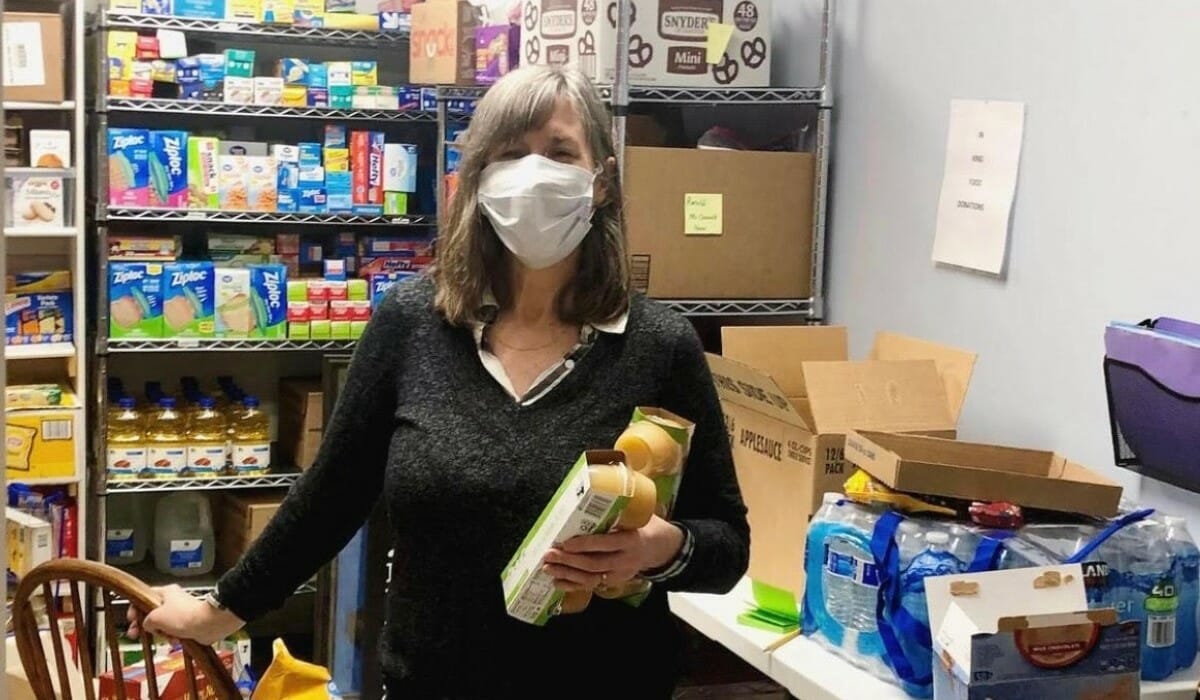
<point x="278" y="11"/>
<point x="337" y="160"/>
<point x="295" y="96"/>
<point x="244" y="10"/>
<point x="40" y="444"/>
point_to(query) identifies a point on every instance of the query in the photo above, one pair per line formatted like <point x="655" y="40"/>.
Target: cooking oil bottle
<point x="126" y="440"/>
<point x="251" y="438"/>
<point x="166" y="440"/>
<point x="207" y="447"/>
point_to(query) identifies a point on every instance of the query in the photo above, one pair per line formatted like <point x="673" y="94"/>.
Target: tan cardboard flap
<point x="781" y="351"/>
<point x="915" y="448"/>
<point x="954" y="365"/>
<point x="902" y="396"/>
<point x="749" y="388"/>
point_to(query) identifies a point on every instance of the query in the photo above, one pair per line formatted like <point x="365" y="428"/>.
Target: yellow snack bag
<point x="288" y="678"/>
<point x="861" y="487"/>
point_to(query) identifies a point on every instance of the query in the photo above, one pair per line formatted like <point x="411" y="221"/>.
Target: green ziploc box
<point x="239" y="63"/>
<point x="203" y="190"/>
<point x="579" y="507"/>
<point x="135" y="300"/>
<point x="189" y="290"/>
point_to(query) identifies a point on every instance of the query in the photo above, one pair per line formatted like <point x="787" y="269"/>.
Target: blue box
<point x="310" y="156"/>
<point x="187" y="70"/>
<point x="318" y="75"/>
<point x="335" y="136"/>
<point x="135" y="300"/>
<point x="383" y="281"/>
<point x="294" y="71"/>
<point x="189" y="290"/>
<point x="268" y="298"/>
<point x="318" y="97"/>
<point x="212" y="67"/>
<point x="312" y="199"/>
<point x="47" y="317"/>
<point x="340" y="192"/>
<point x="168" y="168"/>
<point x="408" y="98"/>
<point x="200" y="9"/>
<point x="288" y="187"/>
<point x="391" y="21"/>
<point x="428" y="99"/>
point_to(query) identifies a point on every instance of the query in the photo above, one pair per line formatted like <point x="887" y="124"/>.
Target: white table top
<point x="812" y="673"/>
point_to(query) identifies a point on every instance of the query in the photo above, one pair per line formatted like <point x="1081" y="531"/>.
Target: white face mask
<point x="541" y="209"/>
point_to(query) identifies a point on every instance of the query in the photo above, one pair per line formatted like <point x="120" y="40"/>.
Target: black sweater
<point x="465" y="471"/>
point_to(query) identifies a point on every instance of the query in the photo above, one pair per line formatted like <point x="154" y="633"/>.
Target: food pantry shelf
<point x="262" y="217"/>
<point x="735" y="307"/>
<point x="47" y="232"/>
<point x="276" y="32"/>
<point x="219" y="483"/>
<point x="13" y="106"/>
<point x="38" y="351"/>
<point x="681" y="96"/>
<point x="196" y="585"/>
<point x="125" y="104"/>
<point x="226" y="345"/>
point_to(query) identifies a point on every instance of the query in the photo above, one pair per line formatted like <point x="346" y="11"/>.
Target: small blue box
<point x="187" y="70"/>
<point x="318" y="75"/>
<point x="408" y="98"/>
<point x="212" y="67"/>
<point x="268" y="294"/>
<point x="310" y="156"/>
<point x="340" y="192"/>
<point x="313" y="199"/>
<point x="200" y="9"/>
<point x="428" y="99"/>
<point x="318" y="97"/>
<point x="335" y="136"/>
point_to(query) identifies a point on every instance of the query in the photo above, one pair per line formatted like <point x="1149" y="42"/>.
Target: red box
<point x="338" y="290"/>
<point x="147" y="48"/>
<point x="318" y="311"/>
<point x="341" y="310"/>
<point x="141" y="87"/>
<point x="287" y="243"/>
<point x="360" y="311"/>
<point x="298" y="311"/>
<point x="360" y="165"/>
<point x="172" y="680"/>
<point x="318" y="290"/>
<point x="375" y="167"/>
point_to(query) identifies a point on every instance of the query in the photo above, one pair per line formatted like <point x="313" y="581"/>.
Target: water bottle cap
<point x="832" y="498"/>
<point x="937" y="537"/>
<point x="250" y="401"/>
<point x="166" y="402"/>
<point x="127" y="402"/>
<point x="207" y="402"/>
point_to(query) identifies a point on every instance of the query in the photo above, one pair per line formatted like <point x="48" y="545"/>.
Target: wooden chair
<point x="111" y="584"/>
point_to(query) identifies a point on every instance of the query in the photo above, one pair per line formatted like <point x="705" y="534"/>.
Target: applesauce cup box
<point x="233" y="315"/>
<point x="577" y="508"/>
<point x="268" y="297"/>
<point x="135" y="300"/>
<point x="168" y="169"/>
<point x="188" y="300"/>
<point x="129" y="167"/>
<point x="203" y="188"/>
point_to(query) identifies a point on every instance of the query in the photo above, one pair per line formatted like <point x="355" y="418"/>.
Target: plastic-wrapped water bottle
<point x="934" y="560"/>
<point x="850" y="580"/>
<point x="1156" y="595"/>
<point x="1187" y="570"/>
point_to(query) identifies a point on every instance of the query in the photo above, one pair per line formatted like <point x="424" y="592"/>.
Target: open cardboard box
<point x="1031" y="478"/>
<point x="1015" y="638"/>
<point x="790" y="395"/>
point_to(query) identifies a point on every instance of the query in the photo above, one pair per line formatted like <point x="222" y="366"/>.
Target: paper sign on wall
<point x="983" y="152"/>
<point x="703" y="215"/>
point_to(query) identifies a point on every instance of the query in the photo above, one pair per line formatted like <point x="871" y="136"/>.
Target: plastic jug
<point x="206" y="440"/>
<point x="183" y="535"/>
<point x="126" y="441"/>
<point x="128" y="527"/>
<point x="166" y="440"/>
<point x="250" y="443"/>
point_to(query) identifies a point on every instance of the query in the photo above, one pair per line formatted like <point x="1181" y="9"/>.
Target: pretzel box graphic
<point x="668" y="40"/>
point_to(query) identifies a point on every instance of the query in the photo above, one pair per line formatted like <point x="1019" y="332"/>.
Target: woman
<point x="471" y="394"/>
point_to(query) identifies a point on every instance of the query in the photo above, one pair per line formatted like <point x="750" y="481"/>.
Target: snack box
<point x="37" y="202"/>
<point x="203" y="186"/>
<point x="168" y="168"/>
<point x="30" y="541"/>
<point x="29" y="282"/>
<point x="189" y="290"/>
<point x="18" y="396"/>
<point x="128" y="167"/>
<point x="40" y="444"/>
<point x="30" y="319"/>
<point x="49" y="148"/>
<point x="135" y="299"/>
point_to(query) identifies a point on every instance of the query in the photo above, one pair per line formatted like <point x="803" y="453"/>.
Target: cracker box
<point x="42" y="317"/>
<point x="239" y="91"/>
<point x="234" y="317"/>
<point x="39" y="282"/>
<point x="233" y="183"/>
<point x="268" y="289"/>
<point x="668" y="42"/>
<point x="168" y="169"/>
<point x="268" y="91"/>
<point x="1028" y="633"/>
<point x="40" y="444"/>
<point x="579" y="507"/>
<point x="293" y="71"/>
<point x="309" y="13"/>
<point x="171" y="680"/>
<point x="49" y="148"/>
<point x="497" y="51"/>
<point x="128" y="167"/>
<point x="263" y="183"/>
<point x="339" y="74"/>
<point x="37" y="202"/>
<point x="189" y="289"/>
<point x="135" y="300"/>
<point x="203" y="188"/>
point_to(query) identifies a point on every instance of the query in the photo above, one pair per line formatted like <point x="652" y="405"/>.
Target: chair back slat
<point x="109" y="584"/>
<point x="85" y="649"/>
<point x="114" y="644"/>
<point x="60" y="657"/>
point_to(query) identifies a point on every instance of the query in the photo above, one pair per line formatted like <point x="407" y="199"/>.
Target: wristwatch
<point x="212" y="599"/>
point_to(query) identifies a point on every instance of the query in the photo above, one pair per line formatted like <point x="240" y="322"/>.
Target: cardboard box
<point x="719" y="224"/>
<point x="301" y="418"/>
<point x="171" y="676"/>
<point x="790" y="395"/>
<point x="971" y="471"/>
<point x="668" y="42"/>
<point x="1016" y="638"/>
<point x="42" y="317"/>
<point x="30" y="541"/>
<point x="576" y="509"/>
<point x="40" y="444"/>
<point x="442" y="44"/>
<point x="241" y="519"/>
<point x="34" y="50"/>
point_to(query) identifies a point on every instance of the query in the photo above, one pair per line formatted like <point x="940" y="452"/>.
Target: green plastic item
<point x="776" y="609"/>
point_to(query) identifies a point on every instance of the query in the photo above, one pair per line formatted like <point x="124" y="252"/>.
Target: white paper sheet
<point x="983" y="152"/>
<point x="22" y="44"/>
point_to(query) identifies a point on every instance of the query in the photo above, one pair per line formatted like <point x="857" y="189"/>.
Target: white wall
<point x="1105" y="224"/>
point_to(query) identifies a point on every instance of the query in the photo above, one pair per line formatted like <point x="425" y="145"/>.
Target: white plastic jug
<point x="183" y="535"/>
<point x="128" y="527"/>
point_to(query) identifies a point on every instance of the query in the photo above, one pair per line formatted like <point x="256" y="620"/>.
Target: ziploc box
<point x="189" y="290"/>
<point x="129" y="167"/>
<point x="268" y="297"/>
<point x="234" y="317"/>
<point x="135" y="300"/>
<point x="1028" y="633"/>
<point x="203" y="190"/>
<point x="169" y="169"/>
<point x="581" y="506"/>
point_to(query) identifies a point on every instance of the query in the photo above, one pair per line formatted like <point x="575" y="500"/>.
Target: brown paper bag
<point x="442" y="44"/>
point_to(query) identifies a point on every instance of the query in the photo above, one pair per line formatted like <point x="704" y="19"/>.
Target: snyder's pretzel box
<point x="1028" y="633"/>
<point x="668" y="40"/>
<point x="40" y="444"/>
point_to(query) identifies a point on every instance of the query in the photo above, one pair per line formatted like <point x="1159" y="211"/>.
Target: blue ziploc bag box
<point x="189" y="289"/>
<point x="383" y="281"/>
<point x="135" y="300"/>
<point x="268" y="300"/>
<point x="168" y="169"/>
<point x="339" y="192"/>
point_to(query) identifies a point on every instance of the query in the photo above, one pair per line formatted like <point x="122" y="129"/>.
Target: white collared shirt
<point x="553" y="376"/>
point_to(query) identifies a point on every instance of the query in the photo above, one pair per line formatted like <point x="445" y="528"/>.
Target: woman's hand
<point x="184" y="616"/>
<point x="585" y="562"/>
